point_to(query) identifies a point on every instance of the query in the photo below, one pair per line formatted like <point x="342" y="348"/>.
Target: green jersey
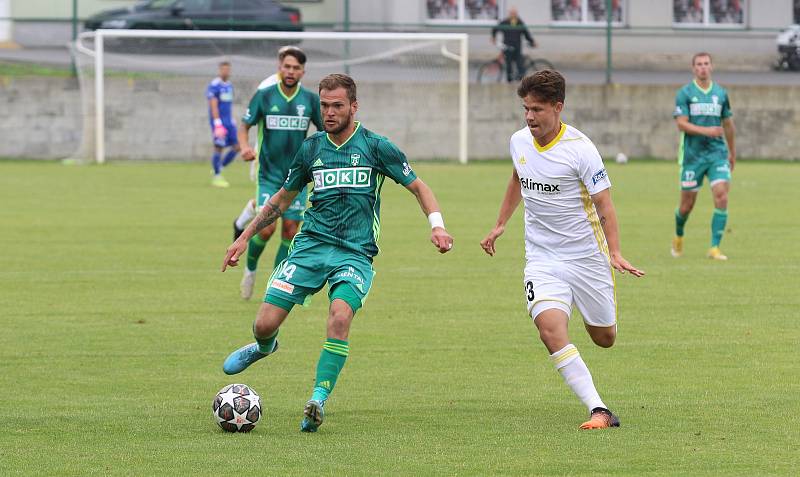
<point x="283" y="123"/>
<point x="704" y="108"/>
<point x="346" y="186"/>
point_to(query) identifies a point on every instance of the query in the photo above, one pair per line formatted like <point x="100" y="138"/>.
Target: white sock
<point x="253" y="170"/>
<point x="248" y="214"/>
<point x="568" y="362"/>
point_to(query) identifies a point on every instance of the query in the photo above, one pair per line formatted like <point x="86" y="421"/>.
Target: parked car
<point x="258" y="15"/>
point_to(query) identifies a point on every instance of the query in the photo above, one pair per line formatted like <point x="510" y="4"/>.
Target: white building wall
<point x="5" y="25"/>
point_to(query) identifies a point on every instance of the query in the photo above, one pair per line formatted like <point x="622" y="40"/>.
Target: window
<point x="797" y="11"/>
<point x="585" y="12"/>
<point x="460" y="11"/>
<point x="716" y="13"/>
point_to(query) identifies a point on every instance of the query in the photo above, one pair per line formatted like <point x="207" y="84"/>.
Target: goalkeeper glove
<point x="219" y="129"/>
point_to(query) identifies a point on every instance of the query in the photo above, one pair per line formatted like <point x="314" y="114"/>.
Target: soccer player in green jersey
<point x="283" y="112"/>
<point x="347" y="165"/>
<point x="703" y="114"/>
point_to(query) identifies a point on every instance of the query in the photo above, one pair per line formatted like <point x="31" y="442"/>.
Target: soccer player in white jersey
<point x="571" y="235"/>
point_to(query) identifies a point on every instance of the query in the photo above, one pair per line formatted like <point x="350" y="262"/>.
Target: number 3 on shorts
<point x="529" y="290"/>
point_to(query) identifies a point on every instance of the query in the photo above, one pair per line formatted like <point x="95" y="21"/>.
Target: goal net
<point x="143" y="91"/>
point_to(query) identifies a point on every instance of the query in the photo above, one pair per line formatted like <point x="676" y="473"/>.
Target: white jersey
<point x="269" y="81"/>
<point x="557" y="181"/>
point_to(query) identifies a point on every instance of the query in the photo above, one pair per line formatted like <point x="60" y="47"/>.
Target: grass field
<point x="115" y="321"/>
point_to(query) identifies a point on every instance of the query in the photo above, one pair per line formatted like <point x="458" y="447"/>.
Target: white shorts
<point x="586" y="282"/>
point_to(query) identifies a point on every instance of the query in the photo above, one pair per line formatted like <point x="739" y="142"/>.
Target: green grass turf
<point x="116" y="320"/>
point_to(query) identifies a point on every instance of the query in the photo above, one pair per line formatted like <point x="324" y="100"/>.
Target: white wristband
<point x="218" y="122"/>
<point x="436" y="220"/>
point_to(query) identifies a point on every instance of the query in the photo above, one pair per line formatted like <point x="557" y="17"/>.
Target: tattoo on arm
<point x="266" y="217"/>
<point x="602" y="221"/>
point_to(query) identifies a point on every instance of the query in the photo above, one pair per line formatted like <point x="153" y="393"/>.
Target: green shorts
<point x="294" y="212"/>
<point x="310" y="264"/>
<point x="692" y="174"/>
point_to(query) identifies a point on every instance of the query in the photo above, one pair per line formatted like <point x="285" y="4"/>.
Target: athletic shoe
<point x="219" y="181"/>
<point x="236" y="231"/>
<point x="716" y="254"/>
<point x="247" y="284"/>
<point x="313" y="414"/>
<point x="601" y="418"/>
<point x="677" y="247"/>
<point x="243" y="357"/>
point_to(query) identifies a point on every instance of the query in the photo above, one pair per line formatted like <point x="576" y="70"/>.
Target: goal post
<point x="397" y="58"/>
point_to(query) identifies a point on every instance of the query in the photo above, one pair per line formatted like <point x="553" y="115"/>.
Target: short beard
<point x="338" y="129"/>
<point x="283" y="81"/>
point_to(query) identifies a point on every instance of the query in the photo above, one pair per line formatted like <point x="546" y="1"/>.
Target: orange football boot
<point x="601" y="418"/>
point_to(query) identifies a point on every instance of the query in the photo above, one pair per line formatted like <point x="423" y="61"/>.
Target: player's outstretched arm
<point x="427" y="202"/>
<point x="608" y="220"/>
<point x="274" y="208"/>
<point x="510" y="202"/>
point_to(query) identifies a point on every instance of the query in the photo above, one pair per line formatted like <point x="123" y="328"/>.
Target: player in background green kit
<point x="703" y="114"/>
<point x="347" y="165"/>
<point x="283" y="112"/>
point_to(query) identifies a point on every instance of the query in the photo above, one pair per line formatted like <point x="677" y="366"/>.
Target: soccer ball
<point x="622" y="158"/>
<point x="237" y="408"/>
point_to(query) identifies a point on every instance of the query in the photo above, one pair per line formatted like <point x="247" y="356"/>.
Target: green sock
<point x="254" y="248"/>
<point x="718" y="221"/>
<point x="265" y="345"/>
<point x="331" y="361"/>
<point x="680" y="221"/>
<point x="283" y="251"/>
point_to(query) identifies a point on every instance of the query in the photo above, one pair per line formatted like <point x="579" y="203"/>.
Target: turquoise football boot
<point x="243" y="357"/>
<point x="313" y="415"/>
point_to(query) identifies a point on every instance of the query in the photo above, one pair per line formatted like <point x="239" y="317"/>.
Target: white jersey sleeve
<point x="269" y="81"/>
<point x="590" y="167"/>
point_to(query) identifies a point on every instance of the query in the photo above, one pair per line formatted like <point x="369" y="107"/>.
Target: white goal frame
<point x="98" y="54"/>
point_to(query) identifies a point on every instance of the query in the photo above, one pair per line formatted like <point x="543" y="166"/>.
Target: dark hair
<point x="702" y="53"/>
<point x="293" y="51"/>
<point x="338" y="80"/>
<point x="224" y="63"/>
<point x="546" y="85"/>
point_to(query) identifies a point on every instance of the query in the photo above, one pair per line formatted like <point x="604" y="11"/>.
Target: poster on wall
<point x="726" y="11"/>
<point x="597" y="11"/>
<point x="464" y="11"/>
<point x="689" y="11"/>
<point x="590" y="12"/>
<point x="443" y="9"/>
<point x="709" y="12"/>
<point x="567" y="10"/>
<point x="482" y="10"/>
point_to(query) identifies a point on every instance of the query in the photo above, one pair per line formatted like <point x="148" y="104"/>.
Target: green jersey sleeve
<point x="681" y="104"/>
<point x="726" y="107"/>
<point x="298" y="172"/>
<point x="392" y="163"/>
<point x="255" y="111"/>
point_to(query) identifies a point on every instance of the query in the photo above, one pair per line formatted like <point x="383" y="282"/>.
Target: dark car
<point x="258" y="15"/>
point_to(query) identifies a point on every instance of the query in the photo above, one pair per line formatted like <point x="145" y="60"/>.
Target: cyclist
<point x="513" y="28"/>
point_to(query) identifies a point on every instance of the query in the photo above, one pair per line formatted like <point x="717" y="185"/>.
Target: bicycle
<point x="493" y="71"/>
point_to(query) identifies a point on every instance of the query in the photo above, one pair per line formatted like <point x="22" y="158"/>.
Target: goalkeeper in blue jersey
<point x="219" y="94"/>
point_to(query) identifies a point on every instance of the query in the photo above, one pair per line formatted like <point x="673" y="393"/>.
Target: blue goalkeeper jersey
<point x="223" y="91"/>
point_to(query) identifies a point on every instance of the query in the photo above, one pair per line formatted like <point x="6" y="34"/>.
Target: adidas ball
<point x="622" y="158"/>
<point x="237" y="408"/>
